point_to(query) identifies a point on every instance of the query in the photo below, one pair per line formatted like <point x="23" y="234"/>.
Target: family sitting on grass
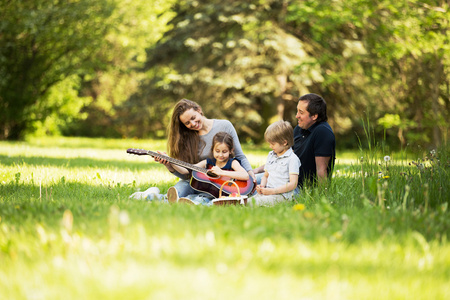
<point x="299" y="156"/>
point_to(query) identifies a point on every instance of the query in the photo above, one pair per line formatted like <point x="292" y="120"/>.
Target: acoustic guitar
<point x="202" y="179"/>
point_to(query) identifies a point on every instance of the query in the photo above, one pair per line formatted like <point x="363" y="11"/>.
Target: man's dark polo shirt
<point x="317" y="140"/>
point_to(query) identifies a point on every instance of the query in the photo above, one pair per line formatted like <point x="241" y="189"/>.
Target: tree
<point x="409" y="60"/>
<point x="140" y="23"/>
<point x="42" y="43"/>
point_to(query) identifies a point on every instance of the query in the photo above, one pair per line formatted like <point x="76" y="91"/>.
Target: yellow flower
<point x="385" y="177"/>
<point x="299" y="206"/>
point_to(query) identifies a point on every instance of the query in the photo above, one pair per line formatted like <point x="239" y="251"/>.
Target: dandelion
<point x="387" y="158"/>
<point x="299" y="206"/>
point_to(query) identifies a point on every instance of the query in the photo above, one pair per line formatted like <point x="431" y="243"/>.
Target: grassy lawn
<point x="69" y="230"/>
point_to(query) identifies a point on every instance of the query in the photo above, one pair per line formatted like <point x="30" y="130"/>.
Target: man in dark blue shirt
<point x="314" y="140"/>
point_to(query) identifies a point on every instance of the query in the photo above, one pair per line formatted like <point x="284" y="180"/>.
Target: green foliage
<point x="139" y="24"/>
<point x="44" y="42"/>
<point x="61" y="108"/>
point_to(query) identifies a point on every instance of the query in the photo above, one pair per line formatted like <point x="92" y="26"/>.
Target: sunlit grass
<point x="69" y="230"/>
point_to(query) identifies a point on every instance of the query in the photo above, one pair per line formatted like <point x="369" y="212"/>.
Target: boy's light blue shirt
<point x="280" y="167"/>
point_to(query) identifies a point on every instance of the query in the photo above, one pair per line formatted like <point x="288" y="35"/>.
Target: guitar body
<point x="203" y="183"/>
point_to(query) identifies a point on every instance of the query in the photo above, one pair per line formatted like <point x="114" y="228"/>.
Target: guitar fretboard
<point x="177" y="162"/>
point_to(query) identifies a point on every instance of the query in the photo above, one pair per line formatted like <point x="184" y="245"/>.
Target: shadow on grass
<point x="78" y="163"/>
<point x="89" y="143"/>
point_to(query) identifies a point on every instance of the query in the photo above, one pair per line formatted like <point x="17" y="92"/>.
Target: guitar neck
<point x="177" y="162"/>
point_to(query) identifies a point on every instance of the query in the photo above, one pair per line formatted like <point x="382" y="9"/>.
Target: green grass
<point x="68" y="230"/>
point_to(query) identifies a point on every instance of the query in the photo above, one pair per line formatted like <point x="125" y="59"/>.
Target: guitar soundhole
<point x="211" y="174"/>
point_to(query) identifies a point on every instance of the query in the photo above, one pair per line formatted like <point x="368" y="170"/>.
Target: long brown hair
<point x="183" y="143"/>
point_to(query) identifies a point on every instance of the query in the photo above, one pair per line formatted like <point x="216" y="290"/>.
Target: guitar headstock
<point x="137" y="151"/>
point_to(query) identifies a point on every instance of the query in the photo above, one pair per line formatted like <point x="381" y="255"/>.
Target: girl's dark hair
<point x="223" y="138"/>
<point x="316" y="106"/>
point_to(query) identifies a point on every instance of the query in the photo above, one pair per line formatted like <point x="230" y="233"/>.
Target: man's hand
<point x="259" y="169"/>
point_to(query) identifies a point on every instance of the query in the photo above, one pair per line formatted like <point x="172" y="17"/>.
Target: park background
<point x="81" y="81"/>
<point x="113" y="68"/>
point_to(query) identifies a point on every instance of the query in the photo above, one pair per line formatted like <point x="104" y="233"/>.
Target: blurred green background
<point x="115" y="68"/>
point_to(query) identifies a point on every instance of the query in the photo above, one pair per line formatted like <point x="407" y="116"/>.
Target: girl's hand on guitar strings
<point x="216" y="170"/>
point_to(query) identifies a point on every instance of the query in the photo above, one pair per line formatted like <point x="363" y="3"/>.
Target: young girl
<point x="221" y="162"/>
<point x="279" y="182"/>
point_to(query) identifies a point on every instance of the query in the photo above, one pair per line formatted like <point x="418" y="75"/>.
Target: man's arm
<point x="259" y="169"/>
<point x="321" y="168"/>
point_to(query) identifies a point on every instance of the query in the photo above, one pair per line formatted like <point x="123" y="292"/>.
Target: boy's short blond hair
<point x="280" y="132"/>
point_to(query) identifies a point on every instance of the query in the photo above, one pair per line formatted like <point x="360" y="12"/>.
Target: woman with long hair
<point x="190" y="140"/>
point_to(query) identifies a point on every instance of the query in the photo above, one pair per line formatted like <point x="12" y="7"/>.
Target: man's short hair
<point x="316" y="106"/>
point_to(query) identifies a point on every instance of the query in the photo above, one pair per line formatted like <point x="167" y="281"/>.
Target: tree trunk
<point x="282" y="80"/>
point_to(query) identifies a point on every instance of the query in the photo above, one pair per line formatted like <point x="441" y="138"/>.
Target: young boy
<point x="279" y="182"/>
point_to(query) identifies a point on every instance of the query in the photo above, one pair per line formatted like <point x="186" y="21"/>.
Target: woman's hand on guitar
<point x="164" y="161"/>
